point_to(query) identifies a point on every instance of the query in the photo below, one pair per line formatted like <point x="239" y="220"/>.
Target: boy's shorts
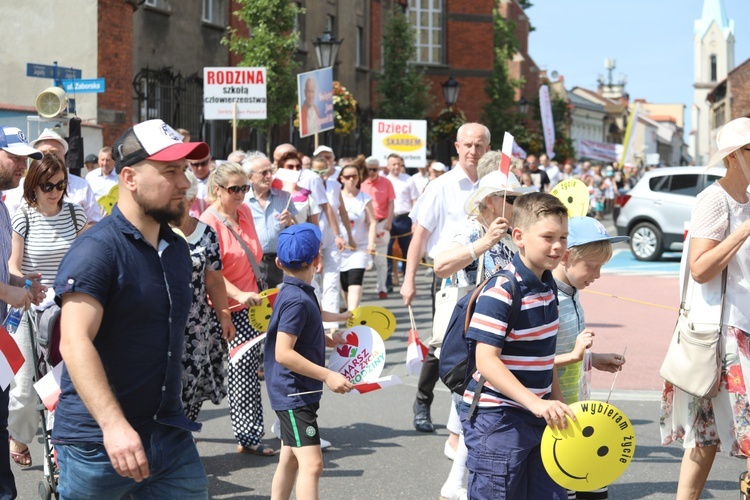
<point x="299" y="427"/>
<point x="504" y="458"/>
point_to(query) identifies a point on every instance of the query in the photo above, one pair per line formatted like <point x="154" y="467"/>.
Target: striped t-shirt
<point x="47" y="239"/>
<point x="528" y="350"/>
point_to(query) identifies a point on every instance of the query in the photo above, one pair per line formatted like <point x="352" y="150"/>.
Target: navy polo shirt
<point x="296" y="312"/>
<point x="146" y="295"/>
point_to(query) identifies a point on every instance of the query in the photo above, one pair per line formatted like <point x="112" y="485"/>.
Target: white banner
<point x="597" y="150"/>
<point x="223" y="87"/>
<point x="406" y="138"/>
<point x="548" y="122"/>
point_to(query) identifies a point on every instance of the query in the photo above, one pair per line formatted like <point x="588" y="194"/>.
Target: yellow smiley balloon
<point x="574" y="194"/>
<point x="378" y="318"/>
<point x="260" y="315"/>
<point x="108" y="201"/>
<point x="593" y="451"/>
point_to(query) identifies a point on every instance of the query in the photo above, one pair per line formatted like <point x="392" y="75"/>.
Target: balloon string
<point x="616" y="374"/>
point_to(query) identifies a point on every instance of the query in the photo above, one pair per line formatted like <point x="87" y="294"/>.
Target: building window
<point x="426" y="16"/>
<point x="360" y="48"/>
<point x="713" y="67"/>
<point x="213" y="12"/>
<point x="299" y="26"/>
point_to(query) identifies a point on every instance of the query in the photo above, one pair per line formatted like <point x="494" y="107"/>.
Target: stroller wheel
<point x="45" y="490"/>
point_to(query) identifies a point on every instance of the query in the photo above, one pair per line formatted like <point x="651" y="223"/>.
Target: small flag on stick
<point x="380" y="383"/>
<point x="11" y="359"/>
<point x="416" y="351"/>
<point x="506" y="154"/>
<point x="236" y="353"/>
<point x="48" y="387"/>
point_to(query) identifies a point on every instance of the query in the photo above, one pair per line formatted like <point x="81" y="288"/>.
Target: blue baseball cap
<point x="584" y="230"/>
<point x="13" y="140"/>
<point x="298" y="245"/>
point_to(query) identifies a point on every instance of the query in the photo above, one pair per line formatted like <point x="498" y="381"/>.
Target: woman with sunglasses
<point x="364" y="227"/>
<point x="232" y="220"/>
<point x="44" y="227"/>
<point x="486" y="237"/>
<point x="307" y="207"/>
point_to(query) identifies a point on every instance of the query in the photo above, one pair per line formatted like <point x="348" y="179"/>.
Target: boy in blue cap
<point x="295" y="363"/>
<point x="589" y="248"/>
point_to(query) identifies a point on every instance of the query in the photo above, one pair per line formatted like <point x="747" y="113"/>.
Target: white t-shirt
<point x="421" y="181"/>
<point x="356" y="209"/>
<point x="101" y="184"/>
<point x="406" y="193"/>
<point x="440" y="209"/>
<point x="710" y="220"/>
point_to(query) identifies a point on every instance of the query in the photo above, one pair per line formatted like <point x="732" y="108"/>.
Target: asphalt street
<point x="377" y="454"/>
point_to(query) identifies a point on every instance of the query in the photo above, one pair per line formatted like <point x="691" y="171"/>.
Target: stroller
<point x="45" y="335"/>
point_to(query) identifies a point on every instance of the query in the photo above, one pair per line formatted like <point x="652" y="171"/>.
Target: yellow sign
<point x="378" y="318"/>
<point x="260" y="315"/>
<point x="403" y="142"/>
<point x="108" y="201"/>
<point x="593" y="451"/>
<point x="574" y="194"/>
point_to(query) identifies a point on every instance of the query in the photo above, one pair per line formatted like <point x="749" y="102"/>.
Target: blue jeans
<point x="504" y="458"/>
<point x="7" y="482"/>
<point x="401" y="225"/>
<point x="176" y="470"/>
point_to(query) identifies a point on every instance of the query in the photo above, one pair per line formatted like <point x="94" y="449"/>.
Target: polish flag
<point x="11" y="359"/>
<point x="506" y="152"/>
<point x="380" y="383"/>
<point x="48" y="387"/>
<point x="415" y="353"/>
<point x="286" y="180"/>
<point x="236" y="353"/>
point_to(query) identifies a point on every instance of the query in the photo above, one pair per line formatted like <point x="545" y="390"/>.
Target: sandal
<point x="260" y="449"/>
<point x="22" y="458"/>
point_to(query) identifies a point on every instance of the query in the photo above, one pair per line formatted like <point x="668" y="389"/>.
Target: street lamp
<point x="523" y="106"/>
<point x="450" y="91"/>
<point x="326" y="49"/>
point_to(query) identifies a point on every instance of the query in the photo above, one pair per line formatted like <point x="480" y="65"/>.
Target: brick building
<point x="729" y="99"/>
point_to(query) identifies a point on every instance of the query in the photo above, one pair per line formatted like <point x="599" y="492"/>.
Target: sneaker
<point x="324" y="444"/>
<point x="422" y="419"/>
<point x="276" y="428"/>
<point x="382" y="295"/>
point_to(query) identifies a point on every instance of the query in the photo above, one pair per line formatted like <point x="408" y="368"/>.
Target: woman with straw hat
<point x="719" y="231"/>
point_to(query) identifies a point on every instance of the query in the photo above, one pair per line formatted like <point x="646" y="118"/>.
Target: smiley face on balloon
<point x="591" y="452"/>
<point x="378" y="318"/>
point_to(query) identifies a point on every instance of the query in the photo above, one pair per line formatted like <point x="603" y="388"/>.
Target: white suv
<point x="655" y="211"/>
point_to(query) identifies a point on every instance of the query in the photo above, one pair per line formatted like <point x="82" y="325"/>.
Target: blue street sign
<point x="96" y="85"/>
<point x="47" y="71"/>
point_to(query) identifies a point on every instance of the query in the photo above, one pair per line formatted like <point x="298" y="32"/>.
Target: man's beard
<point x="8" y="180"/>
<point x="164" y="214"/>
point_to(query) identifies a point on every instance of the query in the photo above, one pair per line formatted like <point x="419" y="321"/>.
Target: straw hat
<point x="730" y="138"/>
<point x="495" y="182"/>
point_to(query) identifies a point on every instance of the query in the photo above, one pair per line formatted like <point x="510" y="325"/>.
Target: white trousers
<point x="328" y="285"/>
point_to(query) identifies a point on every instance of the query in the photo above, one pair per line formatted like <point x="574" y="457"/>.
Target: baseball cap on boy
<point x="13" y="140"/>
<point x="154" y="140"/>
<point x="583" y="230"/>
<point x="298" y="245"/>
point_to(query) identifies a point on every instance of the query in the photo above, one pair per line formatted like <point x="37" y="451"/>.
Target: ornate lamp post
<point x="450" y="91"/>
<point x="326" y="49"/>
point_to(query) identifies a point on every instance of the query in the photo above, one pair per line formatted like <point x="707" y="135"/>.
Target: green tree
<point x="272" y="44"/>
<point x="403" y="91"/>
<point x="500" y="113"/>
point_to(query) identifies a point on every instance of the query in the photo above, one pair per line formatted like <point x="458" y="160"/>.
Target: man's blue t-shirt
<point x="296" y="312"/>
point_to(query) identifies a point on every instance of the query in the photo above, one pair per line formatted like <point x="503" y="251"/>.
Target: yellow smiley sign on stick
<point x="260" y="315"/>
<point x="378" y="318"/>
<point x="574" y="194"/>
<point x="593" y="451"/>
<point x="110" y="199"/>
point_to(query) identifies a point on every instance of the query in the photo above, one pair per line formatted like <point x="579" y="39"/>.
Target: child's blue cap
<point x="583" y="230"/>
<point x="298" y="245"/>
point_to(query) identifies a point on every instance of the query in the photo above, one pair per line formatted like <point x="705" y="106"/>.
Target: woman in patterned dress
<point x="205" y="354"/>
<point x="719" y="231"/>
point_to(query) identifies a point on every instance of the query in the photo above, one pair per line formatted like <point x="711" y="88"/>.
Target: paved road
<point x="378" y="455"/>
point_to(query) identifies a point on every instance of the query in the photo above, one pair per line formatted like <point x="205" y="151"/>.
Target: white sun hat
<point x="730" y="138"/>
<point x="495" y="182"/>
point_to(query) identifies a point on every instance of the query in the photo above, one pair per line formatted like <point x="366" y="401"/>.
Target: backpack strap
<point x="72" y="215"/>
<point x="515" y="310"/>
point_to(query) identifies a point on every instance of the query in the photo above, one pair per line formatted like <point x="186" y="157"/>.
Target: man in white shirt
<point x="439" y="215"/>
<point x="421" y="178"/>
<point x="201" y="169"/>
<point x="552" y="170"/>
<point x="104" y="178"/>
<point x="406" y="195"/>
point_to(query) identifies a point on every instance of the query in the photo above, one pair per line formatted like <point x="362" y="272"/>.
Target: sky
<point x="651" y="41"/>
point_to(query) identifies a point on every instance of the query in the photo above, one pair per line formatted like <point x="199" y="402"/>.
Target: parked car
<point x="655" y="211"/>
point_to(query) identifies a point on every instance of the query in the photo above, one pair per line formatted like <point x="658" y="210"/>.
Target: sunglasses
<point x="236" y="189"/>
<point x="350" y="177"/>
<point x="373" y="169"/>
<point x="510" y="199"/>
<point x="264" y="173"/>
<point x="321" y="172"/>
<point x="199" y="164"/>
<point x="47" y="187"/>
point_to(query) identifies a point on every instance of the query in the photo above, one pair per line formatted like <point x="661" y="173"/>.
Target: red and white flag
<point x="416" y="351"/>
<point x="11" y="359"/>
<point x="236" y="353"/>
<point x="48" y="387"/>
<point x="379" y="383"/>
<point x="286" y="180"/>
<point x="506" y="154"/>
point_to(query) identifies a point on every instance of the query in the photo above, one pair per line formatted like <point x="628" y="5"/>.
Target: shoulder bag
<point x="693" y="360"/>
<point x="260" y="278"/>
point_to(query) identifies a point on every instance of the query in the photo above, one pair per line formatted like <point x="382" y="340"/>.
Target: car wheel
<point x="646" y="241"/>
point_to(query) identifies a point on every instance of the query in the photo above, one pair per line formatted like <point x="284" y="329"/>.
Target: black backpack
<point x="457" y="362"/>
